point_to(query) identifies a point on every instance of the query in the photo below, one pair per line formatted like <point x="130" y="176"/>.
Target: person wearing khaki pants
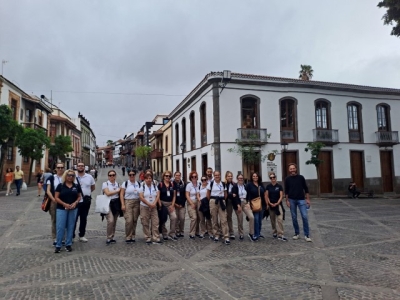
<point x="131" y="206"/>
<point x="273" y="198"/>
<point x="205" y="224"/>
<point x="216" y="193"/>
<point x="112" y="189"/>
<point x="149" y="198"/>
<point x="191" y="198"/>
<point x="167" y="197"/>
<point x="180" y="202"/>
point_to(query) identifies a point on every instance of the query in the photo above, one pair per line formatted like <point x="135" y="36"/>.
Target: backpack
<point x="145" y="186"/>
<point x="161" y="184"/>
<point x="212" y="182"/>
<point x="126" y="184"/>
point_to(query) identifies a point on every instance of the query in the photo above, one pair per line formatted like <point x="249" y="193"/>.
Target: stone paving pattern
<point x="355" y="254"/>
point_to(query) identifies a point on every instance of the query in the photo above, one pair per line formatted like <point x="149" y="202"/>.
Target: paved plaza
<point x="355" y="254"/>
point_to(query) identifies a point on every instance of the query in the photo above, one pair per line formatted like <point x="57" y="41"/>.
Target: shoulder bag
<point x="256" y="203"/>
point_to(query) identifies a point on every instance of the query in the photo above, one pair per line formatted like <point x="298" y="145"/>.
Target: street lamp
<point x="284" y="147"/>
<point x="183" y="147"/>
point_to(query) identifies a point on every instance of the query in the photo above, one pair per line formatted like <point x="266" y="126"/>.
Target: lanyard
<point x="149" y="190"/>
<point x="241" y="190"/>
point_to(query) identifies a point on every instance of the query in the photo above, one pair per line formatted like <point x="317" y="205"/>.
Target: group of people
<point x="17" y="177"/>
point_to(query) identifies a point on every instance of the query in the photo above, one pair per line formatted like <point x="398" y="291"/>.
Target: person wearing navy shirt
<point x="180" y="202"/>
<point x="254" y="190"/>
<point x="167" y="197"/>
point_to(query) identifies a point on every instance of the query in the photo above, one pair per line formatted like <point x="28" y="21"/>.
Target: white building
<point x="353" y="121"/>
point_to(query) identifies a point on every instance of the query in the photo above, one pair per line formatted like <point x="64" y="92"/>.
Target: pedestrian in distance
<point x="9" y="177"/>
<point x="45" y="177"/>
<point x="168" y="197"/>
<point x="67" y="196"/>
<point x="274" y="198"/>
<point x="254" y="190"/>
<point x="297" y="196"/>
<point x="205" y="224"/>
<point x="149" y="199"/>
<point x="18" y="179"/>
<point x="123" y="171"/>
<point x="191" y="191"/>
<point x="180" y="204"/>
<point x="130" y="190"/>
<point x="112" y="189"/>
<point x="244" y="208"/>
<point x="353" y="190"/>
<point x="217" y="195"/>
<point x="88" y="185"/>
<point x="39" y="181"/>
<point x="232" y="204"/>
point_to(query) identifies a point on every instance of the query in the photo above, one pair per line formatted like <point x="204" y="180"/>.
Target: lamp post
<point x="284" y="147"/>
<point x="183" y="147"/>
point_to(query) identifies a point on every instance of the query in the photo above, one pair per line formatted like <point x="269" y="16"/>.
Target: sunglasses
<point x="203" y="179"/>
<point x="70" y="175"/>
<point x="111" y="175"/>
<point x="169" y="176"/>
<point x="132" y="174"/>
<point x="60" y="168"/>
<point x="194" y="176"/>
<point x="272" y="177"/>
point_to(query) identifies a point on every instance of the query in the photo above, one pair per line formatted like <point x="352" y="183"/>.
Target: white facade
<point x="268" y="92"/>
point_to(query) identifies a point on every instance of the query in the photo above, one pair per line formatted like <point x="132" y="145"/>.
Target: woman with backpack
<point x="217" y="194"/>
<point x="130" y="205"/>
<point x="232" y="204"/>
<point x="112" y="189"/>
<point x="244" y="208"/>
<point x="167" y="197"/>
<point x="204" y="209"/>
<point x="256" y="190"/>
<point x="191" y="197"/>
<point x="149" y="198"/>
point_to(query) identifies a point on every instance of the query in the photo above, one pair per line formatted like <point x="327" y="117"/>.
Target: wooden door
<point x="249" y="168"/>
<point x="193" y="162"/>
<point x="387" y="170"/>
<point x="204" y="164"/>
<point x="325" y="172"/>
<point x="357" y="168"/>
<point x="287" y="158"/>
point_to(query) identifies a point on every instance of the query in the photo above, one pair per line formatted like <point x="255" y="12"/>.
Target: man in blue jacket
<point x="297" y="195"/>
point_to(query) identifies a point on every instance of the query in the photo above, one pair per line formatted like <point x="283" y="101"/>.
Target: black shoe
<point x="68" y="248"/>
<point x="232" y="236"/>
<point x="57" y="250"/>
<point x="148" y="242"/>
<point x="192" y="237"/>
<point x="227" y="242"/>
<point x="128" y="242"/>
<point x="198" y="235"/>
<point x="261" y="236"/>
<point x="54" y="244"/>
<point x="133" y="240"/>
<point x="63" y="242"/>
<point x="216" y="240"/>
<point x="274" y="235"/>
<point x="211" y="237"/>
<point x="165" y="238"/>
<point x="172" y="238"/>
<point x="113" y="241"/>
<point x="205" y="233"/>
<point x="241" y="237"/>
<point x="108" y="242"/>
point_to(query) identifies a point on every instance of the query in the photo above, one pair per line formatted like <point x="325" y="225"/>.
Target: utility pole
<point x="3" y="62"/>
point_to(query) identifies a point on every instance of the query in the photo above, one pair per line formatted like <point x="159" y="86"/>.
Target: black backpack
<point x="126" y="184"/>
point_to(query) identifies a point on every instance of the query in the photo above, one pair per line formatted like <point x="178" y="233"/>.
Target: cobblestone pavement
<point x="355" y="254"/>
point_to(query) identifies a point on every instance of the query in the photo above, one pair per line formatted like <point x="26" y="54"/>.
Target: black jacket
<point x="181" y="200"/>
<point x="205" y="208"/>
<point x="162" y="216"/>
<point x="235" y="190"/>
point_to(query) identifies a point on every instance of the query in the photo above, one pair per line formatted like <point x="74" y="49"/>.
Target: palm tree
<point x="306" y="72"/>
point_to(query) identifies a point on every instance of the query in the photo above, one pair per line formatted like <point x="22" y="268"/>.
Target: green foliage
<point x="392" y="15"/>
<point x="109" y="142"/>
<point x="62" y="145"/>
<point x="306" y="72"/>
<point x="142" y="152"/>
<point x="315" y="149"/>
<point x="248" y="152"/>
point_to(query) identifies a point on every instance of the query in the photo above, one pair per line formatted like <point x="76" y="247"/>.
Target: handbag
<point x="256" y="203"/>
<point x="46" y="203"/>
<point x="24" y="187"/>
<point x="102" y="204"/>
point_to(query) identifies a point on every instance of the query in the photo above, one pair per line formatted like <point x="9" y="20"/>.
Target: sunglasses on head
<point x="111" y="175"/>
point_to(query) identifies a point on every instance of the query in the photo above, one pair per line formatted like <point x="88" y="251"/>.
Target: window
<point x="26" y="159"/>
<point x="21" y="114"/>
<point x="166" y="145"/>
<point x="250" y="113"/>
<point x="192" y="131"/>
<point x="354" y="122"/>
<point x="203" y="125"/>
<point x="288" y="119"/>
<point x="322" y="115"/>
<point x="9" y="152"/>
<point x="27" y="115"/>
<point x="53" y="130"/>
<point x="383" y="117"/>
<point x="166" y="164"/>
<point x="184" y="134"/>
<point x="176" y="138"/>
<point x="177" y="165"/>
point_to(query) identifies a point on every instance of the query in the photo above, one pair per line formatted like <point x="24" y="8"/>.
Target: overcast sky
<point x="101" y="57"/>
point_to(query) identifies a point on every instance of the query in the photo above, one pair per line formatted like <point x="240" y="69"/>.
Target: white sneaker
<point x="296" y="237"/>
<point x="6" y="194"/>
<point x="308" y="239"/>
<point x="83" y="239"/>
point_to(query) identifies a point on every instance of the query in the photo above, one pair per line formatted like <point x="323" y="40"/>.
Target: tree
<point x="315" y="149"/>
<point x="31" y="143"/>
<point x="62" y="145"/>
<point x="306" y="72"/>
<point x="9" y="130"/>
<point x="142" y="152"/>
<point x="392" y="15"/>
<point x="109" y="142"/>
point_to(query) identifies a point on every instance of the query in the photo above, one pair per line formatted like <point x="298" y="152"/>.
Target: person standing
<point x="123" y="171"/>
<point x="232" y="204"/>
<point x="52" y="183"/>
<point x="18" y="179"/>
<point x="254" y="190"/>
<point x="274" y="197"/>
<point x="191" y="190"/>
<point x="45" y="177"/>
<point x="130" y="206"/>
<point x="87" y="184"/>
<point x="167" y="197"/>
<point x="39" y="181"/>
<point x="9" y="176"/>
<point x="204" y="212"/>
<point x="112" y="189"/>
<point x="217" y="194"/>
<point x="209" y="173"/>
<point x="67" y="196"/>
<point x="149" y="198"/>
<point x="296" y="191"/>
<point x="180" y="204"/>
<point x="245" y="208"/>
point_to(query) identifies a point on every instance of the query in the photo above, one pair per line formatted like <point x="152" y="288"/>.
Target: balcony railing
<point x="387" y="138"/>
<point x="326" y="136"/>
<point x="156" y="153"/>
<point x="354" y="136"/>
<point x="253" y="135"/>
<point x="287" y="134"/>
<point x="34" y="126"/>
<point x="86" y="146"/>
<point x="204" y="139"/>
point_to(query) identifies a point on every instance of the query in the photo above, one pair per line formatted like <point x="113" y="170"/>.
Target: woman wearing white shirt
<point x="149" y="198"/>
<point x="130" y="206"/>
<point x="204" y="223"/>
<point x="112" y="189"/>
<point x="245" y="207"/>
<point x="191" y="197"/>
<point x="217" y="194"/>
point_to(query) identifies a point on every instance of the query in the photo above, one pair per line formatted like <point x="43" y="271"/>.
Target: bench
<point x="363" y="192"/>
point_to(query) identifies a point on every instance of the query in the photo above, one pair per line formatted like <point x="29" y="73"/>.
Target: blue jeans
<point x="257" y="223"/>
<point x="303" y="211"/>
<point x="65" y="219"/>
<point x="18" y="183"/>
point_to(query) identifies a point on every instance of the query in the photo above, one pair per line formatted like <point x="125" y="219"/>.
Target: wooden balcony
<point x="327" y="136"/>
<point x="156" y="153"/>
<point x="252" y="136"/>
<point x="387" y="138"/>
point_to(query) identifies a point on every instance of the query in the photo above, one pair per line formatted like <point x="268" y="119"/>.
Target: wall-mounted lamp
<point x="226" y="77"/>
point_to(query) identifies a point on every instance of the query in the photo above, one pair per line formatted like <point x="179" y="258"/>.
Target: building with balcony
<point x="88" y="140"/>
<point x="161" y="149"/>
<point x="227" y="110"/>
